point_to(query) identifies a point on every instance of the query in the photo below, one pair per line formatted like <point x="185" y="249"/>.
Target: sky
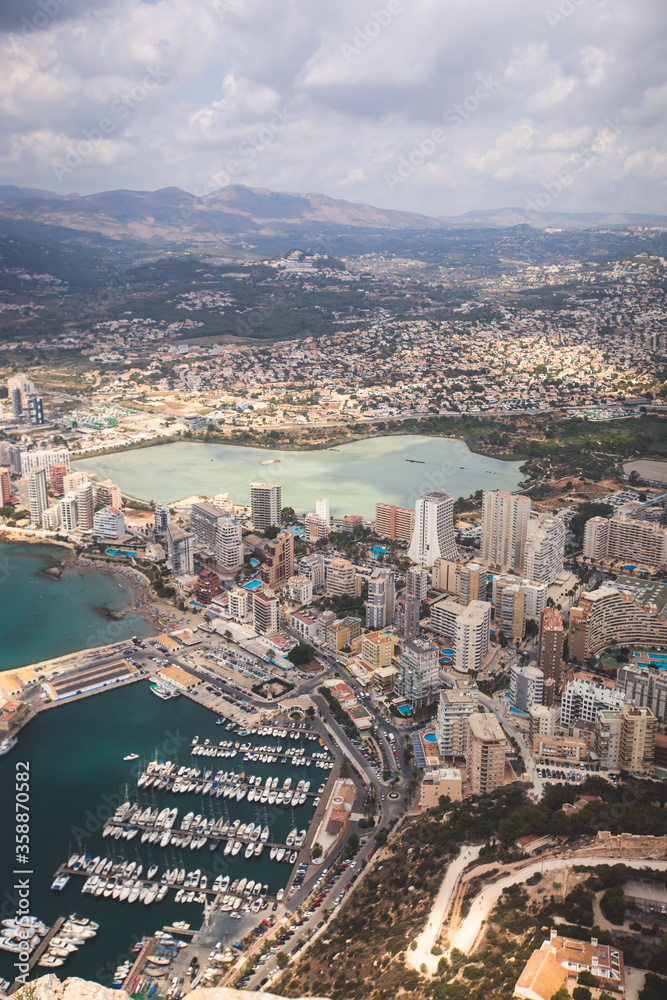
<point x="432" y="106"/>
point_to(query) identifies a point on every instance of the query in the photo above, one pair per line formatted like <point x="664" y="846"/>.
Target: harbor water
<point x="78" y="777"/>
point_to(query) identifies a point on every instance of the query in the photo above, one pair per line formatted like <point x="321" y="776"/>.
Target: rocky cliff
<point x="51" y="988"/>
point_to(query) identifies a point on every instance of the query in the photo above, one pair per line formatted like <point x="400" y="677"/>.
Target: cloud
<point x="184" y="89"/>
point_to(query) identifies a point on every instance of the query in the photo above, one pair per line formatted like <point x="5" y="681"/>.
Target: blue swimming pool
<point x="658" y="658"/>
<point x="121" y="552"/>
<point x="378" y="550"/>
<point x="253" y="585"/>
<point x="447" y="652"/>
<point x="430" y="738"/>
<point x="254" y="562"/>
<point x="445" y="659"/>
<point x="404" y="710"/>
<point x="628" y="569"/>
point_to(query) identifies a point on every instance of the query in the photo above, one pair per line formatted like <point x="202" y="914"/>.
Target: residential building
<point x="56" y="477"/>
<point x="17" y="402"/>
<point x="535" y="594"/>
<point x="229" y="545"/>
<point x="455" y="706"/>
<point x="51" y="518"/>
<point x="526" y="683"/>
<point x="433" y="535"/>
<point x="486" y="753"/>
<point x="541" y="721"/>
<point x="10" y="457"/>
<point x="299" y="588"/>
<point x="560" y="751"/>
<point x="473" y="578"/>
<point x="265" y="610"/>
<point x="505" y="520"/>
<point x="305" y="625"/>
<point x="316" y="527"/>
<point x="312" y="566"/>
<point x="162" y="518"/>
<point x="623" y="537"/>
<point x="180" y="551"/>
<point x="583" y="699"/>
<point x="43" y="458"/>
<point x="509" y="609"/>
<point x="278" y="565"/>
<point x="637" y="745"/>
<point x="109" y="523"/>
<point x="205" y="519"/>
<point x="608" y="724"/>
<point x="377" y="649"/>
<point x="322" y="509"/>
<point x="36" y="411"/>
<point x="550" y="647"/>
<point x="85" y="506"/>
<point x="544" y="553"/>
<point x="107" y="494"/>
<point x="547" y="970"/>
<point x="341" y="578"/>
<point x="37" y="493"/>
<point x="416" y="582"/>
<point x="5" y="486"/>
<point x="381" y="599"/>
<point x="609" y="617"/>
<point x="340" y="632"/>
<point x="645" y="687"/>
<point x="265" y="504"/>
<point x="418" y="679"/>
<point x="439" y="782"/>
<point x="238" y="602"/>
<point x="208" y="586"/>
<point x="445" y="575"/>
<point x="395" y="523"/>
<point x="72" y="481"/>
<point x="408" y="613"/>
<point x="466" y="629"/>
<point x="68" y="511"/>
<point x="25" y="386"/>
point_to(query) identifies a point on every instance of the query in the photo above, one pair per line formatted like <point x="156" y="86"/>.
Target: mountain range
<point x="233" y="212"/>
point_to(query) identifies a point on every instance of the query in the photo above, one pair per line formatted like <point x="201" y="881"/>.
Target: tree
<point x="288" y="515"/>
<point x="282" y="959"/>
<point x="381" y="838"/>
<point x="586" y="978"/>
<point x="316" y="851"/>
<point x="301" y="655"/>
<point x="561" y="994"/>
<point x="271" y="531"/>
<point x="345" y="768"/>
<point x="581" y="993"/>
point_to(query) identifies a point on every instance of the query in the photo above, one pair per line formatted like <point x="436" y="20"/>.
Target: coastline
<point x="34" y="536"/>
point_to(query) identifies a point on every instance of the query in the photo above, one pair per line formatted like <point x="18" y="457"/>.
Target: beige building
<point x="445" y="575"/>
<point x="278" y="566"/>
<point x="505" y="520"/>
<point x="637" y="744"/>
<point x="396" y="523"/>
<point x="472" y="583"/>
<point x="550" y="651"/>
<point x="486" y="753"/>
<point x="608" y="616"/>
<point x="341" y="578"/>
<point x="440" y="781"/>
<point x="377" y="650"/>
<point x="455" y="706"/>
<point x="626" y="538"/>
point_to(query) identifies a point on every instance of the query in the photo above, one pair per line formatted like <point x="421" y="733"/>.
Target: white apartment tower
<point x="322" y="509"/>
<point x="265" y="504"/>
<point x="544" y="552"/>
<point x="37" y="495"/>
<point x="504" y="528"/>
<point x="433" y="536"/>
<point x="229" y="545"/>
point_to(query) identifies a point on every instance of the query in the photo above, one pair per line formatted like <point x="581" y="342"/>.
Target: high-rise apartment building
<point x="25" y="387"/>
<point x="107" y="494"/>
<point x="265" y="504"/>
<point x="278" y="565"/>
<point x="72" y="481"/>
<point x="433" y="536"/>
<point x="5" y="486"/>
<point x="637" y="745"/>
<point x="229" y="545"/>
<point x="515" y="600"/>
<point x="109" y="522"/>
<point x="607" y="617"/>
<point x="162" y="518"/>
<point x="85" y="506"/>
<point x="541" y="722"/>
<point x="180" y="551"/>
<point x="205" y="519"/>
<point x="381" y="601"/>
<point x="316" y="527"/>
<point x="57" y="474"/>
<point x="16" y="402"/>
<point x="416" y="582"/>
<point x="626" y="538"/>
<point x="36" y="411"/>
<point x="583" y="699"/>
<point x="486" y="753"/>
<point x="43" y="458"/>
<point x="446" y="575"/>
<point x="322" y="509"/>
<point x="313" y="566"/>
<point x="526" y="683"/>
<point x="608" y="724"/>
<point x="265" y="610"/>
<point x="473" y="578"/>
<point x="466" y="629"/>
<point x="341" y="578"/>
<point x="10" y="457"/>
<point x="51" y="518"/>
<point x="505" y="520"/>
<point x="238" y="605"/>
<point x="408" y="613"/>
<point x="37" y="493"/>
<point x="550" y="647"/>
<point x="395" y="523"/>
<point x="455" y="706"/>
<point x="645" y="687"/>
<point x="418" y="681"/>
<point x="68" y="512"/>
<point x="544" y="553"/>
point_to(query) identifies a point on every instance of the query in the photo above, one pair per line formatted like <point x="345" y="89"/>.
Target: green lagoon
<point x="354" y="476"/>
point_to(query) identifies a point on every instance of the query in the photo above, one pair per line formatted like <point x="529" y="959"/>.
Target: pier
<point x="39" y="951"/>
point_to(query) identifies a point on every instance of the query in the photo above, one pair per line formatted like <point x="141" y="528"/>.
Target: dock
<point x="39" y="951"/>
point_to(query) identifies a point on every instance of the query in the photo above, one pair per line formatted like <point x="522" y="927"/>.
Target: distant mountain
<point x="235" y="212"/>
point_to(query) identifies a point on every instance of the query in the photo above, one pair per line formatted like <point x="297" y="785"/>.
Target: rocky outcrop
<point x="51" y="988"/>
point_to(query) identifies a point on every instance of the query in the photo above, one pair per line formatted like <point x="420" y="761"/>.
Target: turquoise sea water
<point x="354" y="476"/>
<point x="78" y="776"/>
<point x="41" y="617"/>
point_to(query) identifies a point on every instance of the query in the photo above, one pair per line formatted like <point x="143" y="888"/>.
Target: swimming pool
<point x="658" y="658"/>
<point x="628" y="569"/>
<point x="120" y="552"/>
<point x="254" y="562"/>
<point x="447" y="652"/>
<point x="430" y="738"/>
<point x="378" y="550"/>
<point x="404" y="710"/>
<point x="445" y="659"/>
<point x="253" y="585"/>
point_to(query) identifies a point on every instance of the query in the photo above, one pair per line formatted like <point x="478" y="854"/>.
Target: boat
<point x="163" y="691"/>
<point x="7" y="744"/>
<point x="280" y="894"/>
<point x="59" y="882"/>
<point x="131" y="756"/>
